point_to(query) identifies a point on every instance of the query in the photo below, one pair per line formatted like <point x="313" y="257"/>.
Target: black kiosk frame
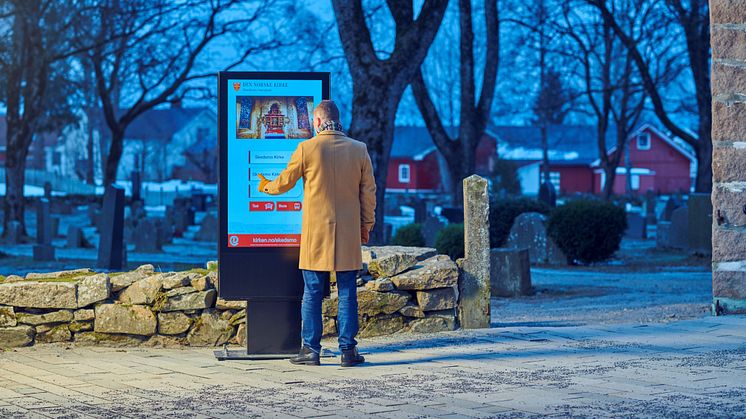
<point x="267" y="278"/>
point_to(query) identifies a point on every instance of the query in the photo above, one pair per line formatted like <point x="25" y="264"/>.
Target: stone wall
<point x="400" y="289"/>
<point x="728" y="37"/>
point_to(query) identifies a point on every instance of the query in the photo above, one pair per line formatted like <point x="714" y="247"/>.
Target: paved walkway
<point x="688" y="368"/>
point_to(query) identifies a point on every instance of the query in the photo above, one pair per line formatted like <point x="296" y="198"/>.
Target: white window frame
<point x="635" y="182"/>
<point x="405" y="169"/>
<point x="555" y="180"/>
<point x="646" y="135"/>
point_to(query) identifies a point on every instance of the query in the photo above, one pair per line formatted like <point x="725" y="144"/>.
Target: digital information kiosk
<point x="262" y="118"/>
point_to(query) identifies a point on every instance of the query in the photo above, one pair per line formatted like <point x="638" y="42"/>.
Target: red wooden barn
<point x="416" y="166"/>
<point x="656" y="161"/>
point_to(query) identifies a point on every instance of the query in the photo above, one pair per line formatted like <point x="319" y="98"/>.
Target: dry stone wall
<point x="400" y="289"/>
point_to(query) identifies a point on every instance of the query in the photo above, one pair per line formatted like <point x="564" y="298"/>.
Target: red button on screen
<point x="289" y="206"/>
<point x="261" y="206"/>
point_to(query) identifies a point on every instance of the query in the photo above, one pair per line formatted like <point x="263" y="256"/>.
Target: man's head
<point x="325" y="111"/>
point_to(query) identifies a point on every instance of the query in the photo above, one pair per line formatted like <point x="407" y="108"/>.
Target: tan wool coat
<point x="339" y="199"/>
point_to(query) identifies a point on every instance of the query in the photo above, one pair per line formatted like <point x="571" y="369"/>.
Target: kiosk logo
<point x="237" y="86"/>
<point x="233" y="240"/>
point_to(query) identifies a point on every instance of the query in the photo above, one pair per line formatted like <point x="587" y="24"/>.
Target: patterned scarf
<point x="331" y="126"/>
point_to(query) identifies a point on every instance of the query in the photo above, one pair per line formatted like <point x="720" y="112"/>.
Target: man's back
<point x="339" y="199"/>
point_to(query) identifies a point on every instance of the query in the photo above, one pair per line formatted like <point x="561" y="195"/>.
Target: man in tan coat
<point x="338" y="213"/>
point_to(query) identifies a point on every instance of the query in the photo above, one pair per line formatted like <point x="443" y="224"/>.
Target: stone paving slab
<point x="689" y="368"/>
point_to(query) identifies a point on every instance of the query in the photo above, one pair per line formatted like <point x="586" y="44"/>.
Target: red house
<point x="416" y="166"/>
<point x="655" y="161"/>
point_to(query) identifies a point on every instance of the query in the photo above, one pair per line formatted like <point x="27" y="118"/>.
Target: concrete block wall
<point x="728" y="37"/>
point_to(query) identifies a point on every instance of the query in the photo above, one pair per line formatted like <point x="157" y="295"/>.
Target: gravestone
<point x="700" y="222"/>
<point x="636" y="226"/>
<point x="678" y="236"/>
<point x="430" y="229"/>
<point x="47" y="190"/>
<point x="183" y="215"/>
<point x="529" y="232"/>
<point x="199" y="201"/>
<point x="668" y="210"/>
<point x="168" y="224"/>
<point x="208" y="229"/>
<point x="93" y="213"/>
<point x="147" y="237"/>
<point x="420" y="211"/>
<point x="474" y="286"/>
<point x="547" y="194"/>
<point x="55" y="226"/>
<point x="111" y="250"/>
<point x="663" y="234"/>
<point x="136" y="185"/>
<point x="510" y="272"/>
<point x="453" y="215"/>
<point x="43" y="249"/>
<point x="15" y="233"/>
<point x="650" y="201"/>
<point x="75" y="237"/>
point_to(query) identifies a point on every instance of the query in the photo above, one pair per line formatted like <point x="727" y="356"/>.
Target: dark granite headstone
<point x="663" y="234"/>
<point x="700" y="222"/>
<point x="453" y="215"/>
<point x="199" y="201"/>
<point x="679" y="231"/>
<point x="420" y="211"/>
<point x="47" y="190"/>
<point x="548" y="194"/>
<point x="208" y="229"/>
<point x="147" y="238"/>
<point x="650" y="201"/>
<point x="636" y="226"/>
<point x="510" y="272"/>
<point x="14" y="233"/>
<point x="75" y="237"/>
<point x="136" y="185"/>
<point x="111" y="244"/>
<point x="430" y="229"/>
<point x="43" y="250"/>
<point x="668" y="210"/>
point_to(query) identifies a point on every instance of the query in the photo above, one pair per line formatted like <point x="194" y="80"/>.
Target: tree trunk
<point x="15" y="179"/>
<point x="373" y="123"/>
<point x="610" y="177"/>
<point x="112" y="159"/>
<point x="703" y="182"/>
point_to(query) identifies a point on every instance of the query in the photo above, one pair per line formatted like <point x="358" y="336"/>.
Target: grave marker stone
<point x="147" y="238"/>
<point x="510" y="272"/>
<point x="430" y="229"/>
<point x="75" y="237"/>
<point x="636" y="226"/>
<point x="650" y="202"/>
<point x="668" y="210"/>
<point x="43" y="250"/>
<point x="679" y="230"/>
<point x="474" y="286"/>
<point x="529" y="232"/>
<point x="700" y="222"/>
<point x="548" y="194"/>
<point x="111" y="251"/>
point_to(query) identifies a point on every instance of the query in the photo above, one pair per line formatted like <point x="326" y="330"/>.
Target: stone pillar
<point x="474" y="284"/>
<point x="728" y="39"/>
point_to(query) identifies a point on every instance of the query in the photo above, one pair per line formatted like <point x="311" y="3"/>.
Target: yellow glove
<point x="262" y="182"/>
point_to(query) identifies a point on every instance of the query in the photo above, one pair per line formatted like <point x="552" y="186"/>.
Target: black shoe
<point x="306" y="356"/>
<point x="350" y="358"/>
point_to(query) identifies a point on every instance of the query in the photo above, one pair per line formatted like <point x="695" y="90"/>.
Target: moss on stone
<point x="2" y="278"/>
<point x="160" y="301"/>
<point x="201" y="271"/>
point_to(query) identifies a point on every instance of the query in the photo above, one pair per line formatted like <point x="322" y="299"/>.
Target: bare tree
<point x="460" y="153"/>
<point x="378" y="83"/>
<point x="693" y="20"/>
<point x="35" y="63"/>
<point x="159" y="44"/>
<point x="610" y="83"/>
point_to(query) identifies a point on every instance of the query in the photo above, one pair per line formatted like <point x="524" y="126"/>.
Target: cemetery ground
<point x="629" y="337"/>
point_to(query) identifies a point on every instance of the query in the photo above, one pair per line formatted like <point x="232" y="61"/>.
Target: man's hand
<point x="364" y="237"/>
<point x="263" y="181"/>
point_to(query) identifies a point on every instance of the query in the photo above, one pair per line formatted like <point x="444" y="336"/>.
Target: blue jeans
<point x="313" y="293"/>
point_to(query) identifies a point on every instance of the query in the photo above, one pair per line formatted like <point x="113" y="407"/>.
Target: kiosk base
<point x="272" y="332"/>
